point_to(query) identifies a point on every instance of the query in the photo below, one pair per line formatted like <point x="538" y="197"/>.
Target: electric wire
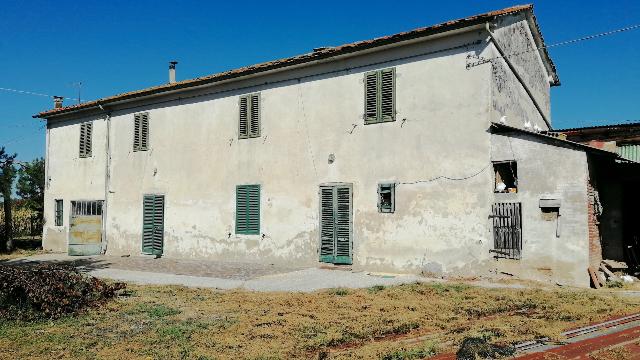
<point x="25" y="92"/>
<point x="446" y="177"/>
<point x="562" y="43"/>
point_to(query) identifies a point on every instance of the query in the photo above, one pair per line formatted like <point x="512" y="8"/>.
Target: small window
<point x="379" y="96"/>
<point x="249" y="121"/>
<point x="386" y="198"/>
<point x="506" y="177"/>
<point x="141" y="132"/>
<point x="248" y="209"/>
<point x="85" y="139"/>
<point x="59" y="212"/>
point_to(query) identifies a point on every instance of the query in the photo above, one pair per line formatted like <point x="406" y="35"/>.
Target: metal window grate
<point x="59" y="212"/>
<point x="507" y="230"/>
<point x="86" y="208"/>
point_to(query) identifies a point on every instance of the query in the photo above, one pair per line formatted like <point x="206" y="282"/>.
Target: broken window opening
<point x="506" y="177"/>
<point x="386" y="198"/>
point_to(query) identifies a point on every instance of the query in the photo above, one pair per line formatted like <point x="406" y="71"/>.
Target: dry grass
<point x="404" y="322"/>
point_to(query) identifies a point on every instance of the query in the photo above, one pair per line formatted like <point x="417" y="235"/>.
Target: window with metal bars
<point x="86" y="130"/>
<point x="59" y="212"/>
<point x="248" y="209"/>
<point x="249" y="119"/>
<point x="141" y="132"/>
<point x="86" y="208"/>
<point x="507" y="230"/>
<point x="379" y="96"/>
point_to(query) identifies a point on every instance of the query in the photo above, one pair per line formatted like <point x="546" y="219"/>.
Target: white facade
<point x="444" y="110"/>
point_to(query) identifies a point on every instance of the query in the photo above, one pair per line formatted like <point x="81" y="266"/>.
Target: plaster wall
<point x="510" y="98"/>
<point x="546" y="171"/>
<point x="196" y="160"/>
<point x="70" y="177"/>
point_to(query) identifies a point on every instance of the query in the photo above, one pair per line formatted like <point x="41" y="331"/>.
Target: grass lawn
<point x="402" y="322"/>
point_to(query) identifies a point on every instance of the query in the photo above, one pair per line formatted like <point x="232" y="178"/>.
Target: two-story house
<point x="415" y="152"/>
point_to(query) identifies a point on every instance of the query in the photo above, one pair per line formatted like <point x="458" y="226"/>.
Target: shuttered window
<point x="86" y="130"/>
<point x="153" y="224"/>
<point x="248" y="209"/>
<point x="249" y="121"/>
<point x="141" y="132"/>
<point x="59" y="212"/>
<point x="379" y="96"/>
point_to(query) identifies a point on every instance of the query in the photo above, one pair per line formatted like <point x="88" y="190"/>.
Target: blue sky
<point x="118" y="46"/>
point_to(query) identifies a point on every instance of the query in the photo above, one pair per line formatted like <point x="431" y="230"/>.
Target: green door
<point x="153" y="224"/>
<point x="336" y="224"/>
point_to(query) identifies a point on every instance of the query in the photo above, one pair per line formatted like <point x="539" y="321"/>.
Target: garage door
<point x="85" y="228"/>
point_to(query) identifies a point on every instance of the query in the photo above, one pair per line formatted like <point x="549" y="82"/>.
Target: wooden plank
<point x="594" y="277"/>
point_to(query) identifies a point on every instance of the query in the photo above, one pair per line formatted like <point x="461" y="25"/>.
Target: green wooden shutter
<point x="379" y="96"/>
<point x="82" y="141"/>
<point x="136" y="132"/>
<point x="327" y="224"/>
<point x="243" y="125"/>
<point x="254" y="125"/>
<point x="144" y="131"/>
<point x="85" y="139"/>
<point x="148" y="204"/>
<point x="158" y="224"/>
<point x="141" y="132"/>
<point x="343" y="225"/>
<point x="371" y="97"/>
<point x="248" y="209"/>
<point x="153" y="224"/>
<point x="387" y="95"/>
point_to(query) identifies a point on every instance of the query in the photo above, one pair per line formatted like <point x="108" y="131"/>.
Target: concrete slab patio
<point x="223" y="275"/>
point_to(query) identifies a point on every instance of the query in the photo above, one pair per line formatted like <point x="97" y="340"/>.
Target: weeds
<point x="176" y="322"/>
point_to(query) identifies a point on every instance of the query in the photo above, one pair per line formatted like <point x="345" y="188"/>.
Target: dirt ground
<point x="410" y="321"/>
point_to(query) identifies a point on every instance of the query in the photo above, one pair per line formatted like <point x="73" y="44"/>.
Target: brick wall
<point x="595" y="247"/>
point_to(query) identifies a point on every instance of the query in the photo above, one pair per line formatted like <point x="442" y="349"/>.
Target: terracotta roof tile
<point x="323" y="53"/>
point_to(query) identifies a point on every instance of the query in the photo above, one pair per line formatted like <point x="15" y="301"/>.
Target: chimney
<point x="57" y="102"/>
<point x="172" y="71"/>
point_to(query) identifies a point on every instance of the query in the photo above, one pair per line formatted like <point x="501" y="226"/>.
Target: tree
<point x="7" y="175"/>
<point x="30" y="186"/>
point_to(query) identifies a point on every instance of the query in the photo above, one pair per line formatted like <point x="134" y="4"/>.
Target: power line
<point x="562" y="43"/>
<point x="32" y="93"/>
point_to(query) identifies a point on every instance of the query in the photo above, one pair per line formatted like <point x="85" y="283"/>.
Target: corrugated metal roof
<point x="503" y="128"/>
<point x="325" y="53"/>
<point x="599" y="127"/>
<point x="629" y="152"/>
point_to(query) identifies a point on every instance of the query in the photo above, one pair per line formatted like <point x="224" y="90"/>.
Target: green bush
<point x="45" y="291"/>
